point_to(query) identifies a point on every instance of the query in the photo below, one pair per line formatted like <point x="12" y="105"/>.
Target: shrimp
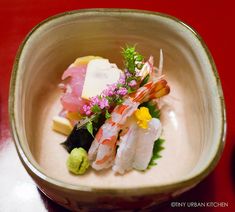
<point x="103" y="149"/>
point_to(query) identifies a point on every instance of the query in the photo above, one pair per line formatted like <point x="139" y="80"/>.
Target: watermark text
<point x="199" y="204"/>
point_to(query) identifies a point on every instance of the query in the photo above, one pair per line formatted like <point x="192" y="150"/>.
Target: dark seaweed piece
<point x="81" y="137"/>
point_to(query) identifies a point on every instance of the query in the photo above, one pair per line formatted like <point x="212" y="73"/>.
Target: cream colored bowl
<point x="193" y="115"/>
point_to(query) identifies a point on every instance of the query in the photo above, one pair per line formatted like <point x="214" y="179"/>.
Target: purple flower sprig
<point x="110" y="97"/>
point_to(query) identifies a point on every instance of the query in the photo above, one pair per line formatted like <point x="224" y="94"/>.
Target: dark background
<point x="214" y="21"/>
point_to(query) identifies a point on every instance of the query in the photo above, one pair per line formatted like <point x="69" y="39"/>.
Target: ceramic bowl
<point x="193" y="115"/>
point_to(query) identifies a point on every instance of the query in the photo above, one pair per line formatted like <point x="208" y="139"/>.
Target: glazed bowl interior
<point x="192" y="114"/>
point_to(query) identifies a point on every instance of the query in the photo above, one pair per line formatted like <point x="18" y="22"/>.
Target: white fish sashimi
<point x="145" y="143"/>
<point x="136" y="146"/>
<point x="126" y="150"/>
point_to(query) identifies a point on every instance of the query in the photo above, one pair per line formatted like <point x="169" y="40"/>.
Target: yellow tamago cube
<point x="62" y="125"/>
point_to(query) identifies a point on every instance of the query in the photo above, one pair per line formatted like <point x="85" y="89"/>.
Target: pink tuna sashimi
<point x="71" y="99"/>
<point x="75" y="71"/>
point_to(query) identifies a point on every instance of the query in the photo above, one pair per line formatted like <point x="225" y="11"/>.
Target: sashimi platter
<point x="110" y="116"/>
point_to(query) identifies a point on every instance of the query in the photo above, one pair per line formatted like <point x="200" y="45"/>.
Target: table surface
<point x="214" y="20"/>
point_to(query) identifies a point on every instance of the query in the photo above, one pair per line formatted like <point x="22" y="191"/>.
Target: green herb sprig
<point x="132" y="59"/>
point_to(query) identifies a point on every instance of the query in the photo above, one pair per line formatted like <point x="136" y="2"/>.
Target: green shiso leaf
<point x="157" y="148"/>
<point x="89" y="127"/>
<point x="145" y="80"/>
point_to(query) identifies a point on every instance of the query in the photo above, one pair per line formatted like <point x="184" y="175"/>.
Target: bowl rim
<point x="193" y="180"/>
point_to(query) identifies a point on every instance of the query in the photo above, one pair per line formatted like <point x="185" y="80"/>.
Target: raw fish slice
<point x="72" y="103"/>
<point x="145" y="143"/>
<point x="136" y="146"/>
<point x="75" y="71"/>
<point x="126" y="150"/>
<point x="71" y="100"/>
